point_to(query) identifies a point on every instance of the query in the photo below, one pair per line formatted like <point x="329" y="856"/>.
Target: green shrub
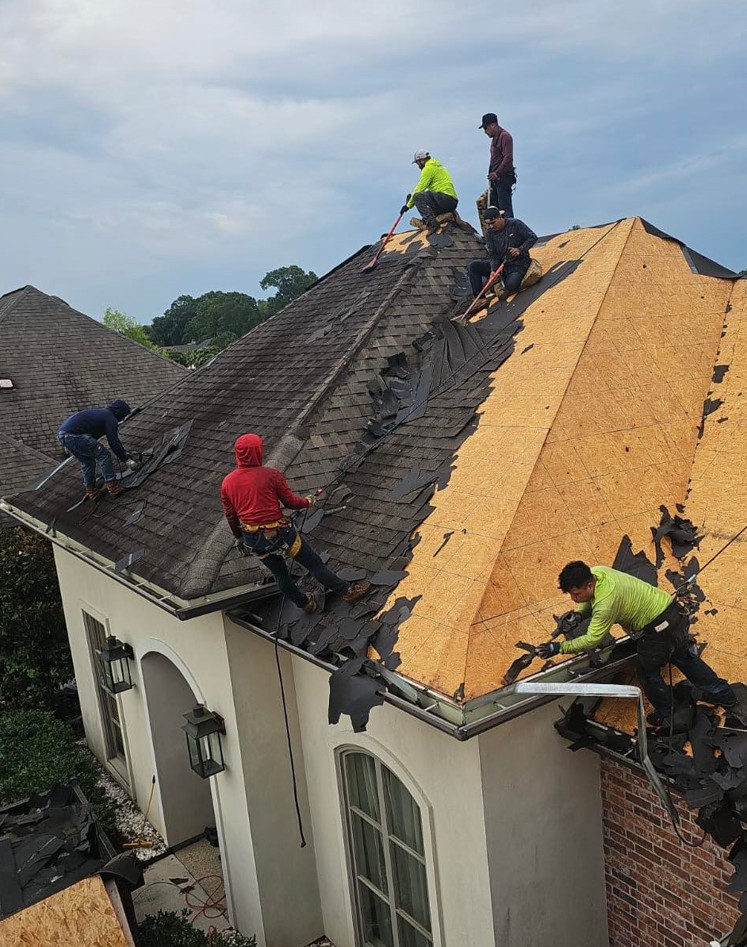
<point x="169" y="929"/>
<point x="34" y="652"/>
<point x="38" y="751"/>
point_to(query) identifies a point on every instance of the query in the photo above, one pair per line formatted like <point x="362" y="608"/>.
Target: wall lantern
<point x="114" y="665"/>
<point x="203" y="729"/>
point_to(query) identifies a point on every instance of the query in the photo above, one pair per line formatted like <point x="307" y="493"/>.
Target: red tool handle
<point x="372" y="264"/>
<point x="491" y="279"/>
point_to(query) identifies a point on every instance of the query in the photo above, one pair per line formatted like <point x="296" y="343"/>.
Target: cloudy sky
<point x="150" y="148"/>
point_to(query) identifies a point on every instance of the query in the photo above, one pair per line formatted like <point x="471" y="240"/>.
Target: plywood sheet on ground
<point x="81" y="915"/>
<point x="581" y="439"/>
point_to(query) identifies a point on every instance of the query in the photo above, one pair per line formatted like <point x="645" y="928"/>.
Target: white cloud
<point x="226" y="137"/>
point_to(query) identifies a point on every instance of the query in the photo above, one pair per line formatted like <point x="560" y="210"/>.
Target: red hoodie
<point x="252" y="493"/>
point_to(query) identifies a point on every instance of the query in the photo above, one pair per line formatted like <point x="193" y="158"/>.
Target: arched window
<point x="385" y="835"/>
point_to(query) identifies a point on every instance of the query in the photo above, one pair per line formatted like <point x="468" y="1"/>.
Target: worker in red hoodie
<point x="252" y="496"/>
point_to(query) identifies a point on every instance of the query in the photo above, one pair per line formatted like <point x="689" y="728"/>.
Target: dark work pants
<point x="306" y="556"/>
<point x="657" y="649"/>
<point x="511" y="277"/>
<point x="432" y="203"/>
<point x="500" y="195"/>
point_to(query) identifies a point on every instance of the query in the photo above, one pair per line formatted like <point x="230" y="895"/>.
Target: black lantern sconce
<point x="203" y="729"/>
<point x="114" y="665"/>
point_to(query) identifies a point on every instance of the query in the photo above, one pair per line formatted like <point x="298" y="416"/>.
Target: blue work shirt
<point x="96" y="422"/>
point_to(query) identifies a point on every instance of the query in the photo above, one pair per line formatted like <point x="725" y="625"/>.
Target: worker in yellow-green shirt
<point x="434" y="193"/>
<point x="655" y="619"/>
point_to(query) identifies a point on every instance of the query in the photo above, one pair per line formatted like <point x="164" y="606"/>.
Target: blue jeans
<point x="89" y="452"/>
<point x="272" y="549"/>
<point x="673" y="645"/>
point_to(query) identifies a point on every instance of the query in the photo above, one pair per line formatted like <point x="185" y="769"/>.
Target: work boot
<point x="92" y="492"/>
<point x="716" y="701"/>
<point x="113" y="489"/>
<point x="356" y="592"/>
<point x="311" y="604"/>
<point x="417" y="223"/>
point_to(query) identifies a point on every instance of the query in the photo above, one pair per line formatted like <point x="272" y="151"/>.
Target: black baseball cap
<point x="488" y="119"/>
<point x="491" y="213"/>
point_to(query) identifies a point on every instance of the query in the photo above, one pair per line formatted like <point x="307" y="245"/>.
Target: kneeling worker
<point x="508" y="241"/>
<point x="434" y="193"/>
<point x="79" y="435"/>
<point x="251" y="496"/>
<point x="651" y="616"/>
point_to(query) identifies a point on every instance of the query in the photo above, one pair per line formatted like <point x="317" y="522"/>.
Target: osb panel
<point x="81" y="915"/>
<point x="494" y="467"/>
<point x="621" y="443"/>
<point x="717" y="503"/>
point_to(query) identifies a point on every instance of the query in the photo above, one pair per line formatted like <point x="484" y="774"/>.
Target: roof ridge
<point x="19" y="294"/>
<point x="217" y="544"/>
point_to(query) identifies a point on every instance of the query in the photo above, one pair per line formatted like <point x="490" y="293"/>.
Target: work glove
<point x="313" y="499"/>
<point x="243" y="551"/>
<point x="548" y="649"/>
<point x="404" y="209"/>
<point x="132" y="463"/>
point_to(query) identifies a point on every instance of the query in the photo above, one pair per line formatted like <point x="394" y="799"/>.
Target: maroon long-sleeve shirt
<point x="501" y="152"/>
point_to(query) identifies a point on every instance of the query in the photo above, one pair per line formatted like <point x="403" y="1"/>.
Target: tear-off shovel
<point x="480" y="296"/>
<point x="372" y="265"/>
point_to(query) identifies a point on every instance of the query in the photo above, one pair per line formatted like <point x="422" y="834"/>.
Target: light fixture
<point x="203" y="729"/>
<point x="114" y="665"/>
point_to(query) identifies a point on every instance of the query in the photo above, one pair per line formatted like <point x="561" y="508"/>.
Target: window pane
<point x="118" y="742"/>
<point x="410" y="937"/>
<point x="410" y="886"/>
<point x="369" y="852"/>
<point x="403" y="813"/>
<point x="376" y="918"/>
<point x="360" y="771"/>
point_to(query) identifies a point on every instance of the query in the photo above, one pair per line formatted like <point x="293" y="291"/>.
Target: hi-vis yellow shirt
<point x="619" y="599"/>
<point x="433" y="177"/>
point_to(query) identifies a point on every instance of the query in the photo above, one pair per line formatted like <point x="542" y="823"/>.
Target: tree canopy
<point x="290" y="283"/>
<point x="223" y="317"/>
<point x="120" y="322"/>
<point x="168" y="329"/>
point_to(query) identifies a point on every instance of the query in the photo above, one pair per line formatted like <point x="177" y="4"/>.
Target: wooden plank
<point x="81" y="915"/>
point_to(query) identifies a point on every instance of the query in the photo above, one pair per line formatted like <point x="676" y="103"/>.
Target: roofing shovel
<point x="480" y="296"/>
<point x="372" y="265"/>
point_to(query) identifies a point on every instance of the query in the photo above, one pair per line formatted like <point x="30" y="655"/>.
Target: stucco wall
<point x="198" y="647"/>
<point x="441" y="773"/>
<point x="543" y="823"/>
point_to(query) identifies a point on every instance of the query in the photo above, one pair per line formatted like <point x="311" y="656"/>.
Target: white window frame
<point x="381" y="759"/>
<point x="118" y="764"/>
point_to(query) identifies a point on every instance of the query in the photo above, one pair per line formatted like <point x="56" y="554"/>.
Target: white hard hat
<point x="420" y="156"/>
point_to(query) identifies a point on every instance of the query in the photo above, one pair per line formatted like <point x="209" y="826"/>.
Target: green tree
<point x="202" y="356"/>
<point x="219" y="312"/>
<point x="576" y="227"/>
<point x="34" y="654"/>
<point x="125" y="325"/>
<point x="290" y="283"/>
<point x="168" y="329"/>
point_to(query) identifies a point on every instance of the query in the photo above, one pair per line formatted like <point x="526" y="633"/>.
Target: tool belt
<point x="264" y="527"/>
<point x="664" y="621"/>
<point x="277" y="545"/>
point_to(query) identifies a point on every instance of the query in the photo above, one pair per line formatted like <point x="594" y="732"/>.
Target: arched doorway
<point x="186" y="801"/>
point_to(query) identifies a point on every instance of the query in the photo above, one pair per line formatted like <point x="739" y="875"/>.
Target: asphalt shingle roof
<point x="61" y="361"/>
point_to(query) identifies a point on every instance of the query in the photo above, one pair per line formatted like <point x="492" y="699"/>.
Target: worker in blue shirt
<point x="79" y="435"/>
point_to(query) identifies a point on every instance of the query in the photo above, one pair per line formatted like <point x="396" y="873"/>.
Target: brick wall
<point x="660" y="893"/>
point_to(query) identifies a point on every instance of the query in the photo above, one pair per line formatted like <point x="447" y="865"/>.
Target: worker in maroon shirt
<point x="501" y="171"/>
<point x="252" y="496"/>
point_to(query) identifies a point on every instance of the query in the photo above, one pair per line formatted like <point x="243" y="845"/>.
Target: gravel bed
<point x="129" y="818"/>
